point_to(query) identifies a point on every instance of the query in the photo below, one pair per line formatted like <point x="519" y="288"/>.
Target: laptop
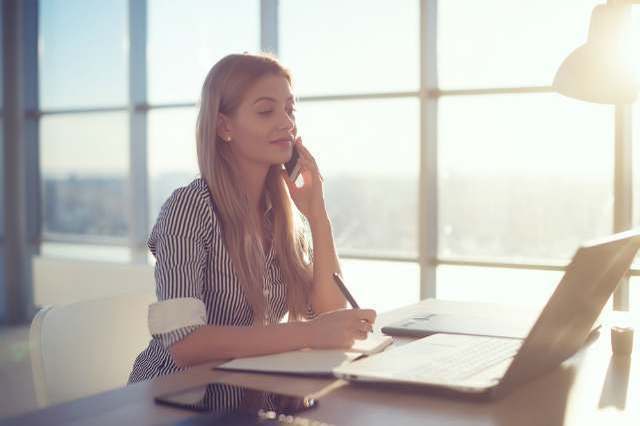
<point x="489" y="367"/>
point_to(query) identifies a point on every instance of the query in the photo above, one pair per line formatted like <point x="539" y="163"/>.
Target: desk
<point x="592" y="387"/>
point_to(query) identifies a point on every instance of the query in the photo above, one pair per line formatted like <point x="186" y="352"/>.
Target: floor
<point x="16" y="382"/>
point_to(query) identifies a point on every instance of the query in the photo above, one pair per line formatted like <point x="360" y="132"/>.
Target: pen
<point x="345" y="292"/>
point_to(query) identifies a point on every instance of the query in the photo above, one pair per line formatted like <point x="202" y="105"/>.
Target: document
<point x="309" y="361"/>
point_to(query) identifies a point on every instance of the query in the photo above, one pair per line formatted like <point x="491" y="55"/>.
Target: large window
<point x="360" y="116"/>
<point x="370" y="170"/>
<point x="523" y="175"/>
<point x="83" y="128"/>
<point x="528" y="177"/>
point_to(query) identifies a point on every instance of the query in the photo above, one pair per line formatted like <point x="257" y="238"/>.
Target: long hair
<point x="222" y="92"/>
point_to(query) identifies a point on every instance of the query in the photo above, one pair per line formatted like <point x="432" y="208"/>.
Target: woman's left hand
<point x="309" y="198"/>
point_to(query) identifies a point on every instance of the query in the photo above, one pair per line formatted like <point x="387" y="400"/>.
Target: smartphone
<point x="228" y="404"/>
<point x="292" y="167"/>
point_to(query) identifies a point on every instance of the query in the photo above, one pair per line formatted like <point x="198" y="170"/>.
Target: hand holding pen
<point x="339" y="329"/>
<point x="347" y="294"/>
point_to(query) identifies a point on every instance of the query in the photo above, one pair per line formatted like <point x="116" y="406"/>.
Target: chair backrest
<point x="87" y="347"/>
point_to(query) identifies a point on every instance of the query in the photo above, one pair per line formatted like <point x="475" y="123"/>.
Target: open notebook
<point x="309" y="361"/>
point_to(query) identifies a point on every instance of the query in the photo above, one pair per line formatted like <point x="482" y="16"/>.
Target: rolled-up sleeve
<point x="180" y="242"/>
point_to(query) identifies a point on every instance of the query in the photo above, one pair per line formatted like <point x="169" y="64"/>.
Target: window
<point x="496" y="285"/>
<point x="527" y="177"/>
<point x="382" y="285"/>
<point x="523" y="175"/>
<point x="498" y="43"/>
<point x="370" y="170"/>
<point x="337" y="47"/>
<point x="366" y="144"/>
<point x="199" y="32"/>
<point x="172" y="153"/>
<point x="82" y="71"/>
<point x="84" y="164"/>
<point x="84" y="155"/>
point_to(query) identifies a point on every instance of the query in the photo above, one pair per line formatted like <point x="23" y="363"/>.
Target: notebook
<point x="309" y="361"/>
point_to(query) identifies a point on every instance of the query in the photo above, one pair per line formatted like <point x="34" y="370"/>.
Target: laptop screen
<point x="566" y="321"/>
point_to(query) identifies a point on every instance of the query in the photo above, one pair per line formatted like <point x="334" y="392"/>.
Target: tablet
<point x="426" y="325"/>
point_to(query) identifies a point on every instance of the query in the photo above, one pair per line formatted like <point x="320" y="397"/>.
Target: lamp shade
<point x="602" y="69"/>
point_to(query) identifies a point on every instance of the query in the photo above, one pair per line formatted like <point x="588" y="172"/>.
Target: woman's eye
<point x="264" y="112"/>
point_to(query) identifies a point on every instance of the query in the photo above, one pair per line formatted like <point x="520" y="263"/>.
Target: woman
<point x="231" y="258"/>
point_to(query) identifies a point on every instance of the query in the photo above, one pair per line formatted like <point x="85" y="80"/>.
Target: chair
<point x="87" y="347"/>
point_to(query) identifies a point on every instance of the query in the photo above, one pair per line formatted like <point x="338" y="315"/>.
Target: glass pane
<point x="497" y="43"/>
<point x="358" y="46"/>
<point x="84" y="163"/>
<point x="368" y="154"/>
<point x="523" y="176"/>
<point x="496" y="285"/>
<point x="172" y="153"/>
<point x="199" y="32"/>
<point x="83" y="53"/>
<point x="382" y="285"/>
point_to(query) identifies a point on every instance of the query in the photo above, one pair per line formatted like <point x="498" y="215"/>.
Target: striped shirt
<point x="195" y="281"/>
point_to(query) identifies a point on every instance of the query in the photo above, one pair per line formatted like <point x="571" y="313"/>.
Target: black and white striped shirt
<point x="195" y="281"/>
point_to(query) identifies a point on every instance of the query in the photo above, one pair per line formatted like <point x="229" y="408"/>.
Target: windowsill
<point x="102" y="253"/>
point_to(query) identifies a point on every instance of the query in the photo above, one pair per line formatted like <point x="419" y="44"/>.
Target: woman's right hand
<point x="339" y="329"/>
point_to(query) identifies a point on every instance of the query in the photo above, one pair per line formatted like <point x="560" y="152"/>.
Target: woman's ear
<point x="223" y="128"/>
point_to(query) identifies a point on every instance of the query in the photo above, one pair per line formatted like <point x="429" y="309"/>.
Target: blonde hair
<point x="222" y="92"/>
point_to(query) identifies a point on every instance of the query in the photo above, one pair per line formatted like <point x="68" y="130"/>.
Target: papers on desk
<point x="309" y="361"/>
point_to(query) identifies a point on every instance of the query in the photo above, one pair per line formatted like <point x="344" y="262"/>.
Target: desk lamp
<point x="602" y="71"/>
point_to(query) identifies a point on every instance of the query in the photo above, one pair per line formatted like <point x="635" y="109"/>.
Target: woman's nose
<point x="288" y="122"/>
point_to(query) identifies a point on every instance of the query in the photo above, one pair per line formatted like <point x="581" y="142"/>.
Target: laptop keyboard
<point x="464" y="363"/>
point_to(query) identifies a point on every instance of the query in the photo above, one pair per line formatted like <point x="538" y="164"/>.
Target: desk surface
<point x="592" y="387"/>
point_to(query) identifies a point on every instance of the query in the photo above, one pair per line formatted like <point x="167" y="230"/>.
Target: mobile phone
<point x="227" y="404"/>
<point x="292" y="167"/>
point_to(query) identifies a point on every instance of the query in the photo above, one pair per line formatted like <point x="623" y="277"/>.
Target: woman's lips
<point x="285" y="143"/>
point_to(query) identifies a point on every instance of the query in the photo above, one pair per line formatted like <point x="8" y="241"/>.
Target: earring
<point x="228" y="138"/>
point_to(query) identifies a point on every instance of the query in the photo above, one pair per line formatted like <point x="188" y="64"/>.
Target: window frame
<point x="428" y="95"/>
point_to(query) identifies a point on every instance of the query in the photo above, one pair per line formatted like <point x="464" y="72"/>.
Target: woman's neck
<point x="255" y="177"/>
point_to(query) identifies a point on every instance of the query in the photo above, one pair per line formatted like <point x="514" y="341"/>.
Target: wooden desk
<point x="590" y="388"/>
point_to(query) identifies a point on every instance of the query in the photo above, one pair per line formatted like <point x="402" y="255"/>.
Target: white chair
<point x="87" y="347"/>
